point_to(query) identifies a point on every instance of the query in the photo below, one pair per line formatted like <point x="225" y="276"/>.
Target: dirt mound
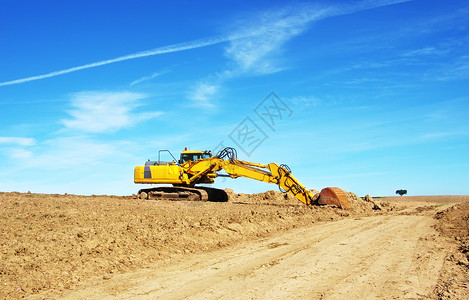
<point x="358" y="204"/>
<point x="60" y="241"/>
<point x="285" y="199"/>
<point x="454" y="224"/>
<point x="270" y="198"/>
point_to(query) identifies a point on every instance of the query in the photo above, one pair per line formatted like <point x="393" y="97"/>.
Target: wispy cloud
<point x="253" y="45"/>
<point x="265" y="34"/>
<point x="458" y="70"/>
<point x="202" y="94"/>
<point x="72" y="157"/>
<point x="20" y="154"/>
<point x="75" y="151"/>
<point x="21" y="141"/>
<point x="98" y="112"/>
<point x="257" y="40"/>
<point x="285" y="24"/>
<point x="17" y="147"/>
<point x="161" y="50"/>
<point x="256" y="43"/>
<point x="423" y="52"/>
<point x="443" y="134"/>
<point x="146" y="78"/>
<point x="302" y="101"/>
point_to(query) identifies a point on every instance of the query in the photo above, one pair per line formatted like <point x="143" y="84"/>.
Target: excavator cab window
<point x="190" y="157"/>
<point x="194" y="156"/>
<point x="185" y="157"/>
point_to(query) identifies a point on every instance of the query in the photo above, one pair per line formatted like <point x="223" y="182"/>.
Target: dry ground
<point x="254" y="246"/>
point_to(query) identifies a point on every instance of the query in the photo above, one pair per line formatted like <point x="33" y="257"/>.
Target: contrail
<point x="162" y="50"/>
<point x="335" y="11"/>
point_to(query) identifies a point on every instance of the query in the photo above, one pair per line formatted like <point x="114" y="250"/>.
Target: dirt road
<point x="386" y="256"/>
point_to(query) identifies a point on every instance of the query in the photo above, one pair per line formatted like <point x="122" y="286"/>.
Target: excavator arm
<point x="282" y="176"/>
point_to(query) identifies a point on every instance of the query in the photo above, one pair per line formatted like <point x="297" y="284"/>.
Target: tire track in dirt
<point x="379" y="256"/>
<point x="228" y="264"/>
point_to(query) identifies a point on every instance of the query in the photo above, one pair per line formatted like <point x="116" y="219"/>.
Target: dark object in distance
<point x="401" y="192"/>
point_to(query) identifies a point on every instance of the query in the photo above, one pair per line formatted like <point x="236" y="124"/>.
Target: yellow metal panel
<point x="138" y="174"/>
<point x="168" y="173"/>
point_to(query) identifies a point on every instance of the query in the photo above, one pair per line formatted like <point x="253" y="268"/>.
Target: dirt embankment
<point x="56" y="242"/>
<point x="453" y="223"/>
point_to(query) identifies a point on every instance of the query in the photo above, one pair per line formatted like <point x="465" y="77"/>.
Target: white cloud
<point x="422" y="51"/>
<point x="443" y="134"/>
<point x="17" y="141"/>
<point x="459" y="70"/>
<point x="161" y="50"/>
<point x="262" y="37"/>
<point x="203" y="93"/>
<point x="303" y="101"/>
<point x="72" y="152"/>
<point x="20" y="154"/>
<point x="84" y="164"/>
<point x="146" y="78"/>
<point x="76" y="164"/>
<point x="13" y="149"/>
<point x="258" y="40"/>
<point x="253" y="46"/>
<point x="288" y="24"/>
<point x="256" y="43"/>
<point x="97" y="112"/>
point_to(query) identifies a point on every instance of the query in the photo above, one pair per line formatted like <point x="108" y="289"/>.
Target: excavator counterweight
<point x="200" y="167"/>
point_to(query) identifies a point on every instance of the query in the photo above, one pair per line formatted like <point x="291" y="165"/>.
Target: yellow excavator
<point x="200" y="167"/>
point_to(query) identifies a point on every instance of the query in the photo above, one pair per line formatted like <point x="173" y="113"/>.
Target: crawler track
<point x="183" y="194"/>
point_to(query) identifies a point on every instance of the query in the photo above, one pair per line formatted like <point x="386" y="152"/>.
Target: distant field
<point x="443" y="198"/>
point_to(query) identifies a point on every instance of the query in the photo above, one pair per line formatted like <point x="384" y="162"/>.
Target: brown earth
<point x="265" y="245"/>
<point x="454" y="224"/>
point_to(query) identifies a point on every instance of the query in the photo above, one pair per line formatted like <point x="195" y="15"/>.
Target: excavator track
<point x="178" y="193"/>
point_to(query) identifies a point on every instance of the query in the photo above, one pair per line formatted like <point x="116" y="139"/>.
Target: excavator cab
<point x="194" y="156"/>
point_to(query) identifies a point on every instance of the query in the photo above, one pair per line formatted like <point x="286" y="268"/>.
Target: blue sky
<point x="372" y="96"/>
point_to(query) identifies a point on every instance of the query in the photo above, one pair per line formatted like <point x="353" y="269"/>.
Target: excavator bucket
<point x="334" y="196"/>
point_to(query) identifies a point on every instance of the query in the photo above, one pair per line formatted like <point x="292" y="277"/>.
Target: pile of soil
<point x="362" y="205"/>
<point x="453" y="223"/>
<point x="359" y="205"/>
<point x="271" y="197"/>
<point x="56" y="242"/>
